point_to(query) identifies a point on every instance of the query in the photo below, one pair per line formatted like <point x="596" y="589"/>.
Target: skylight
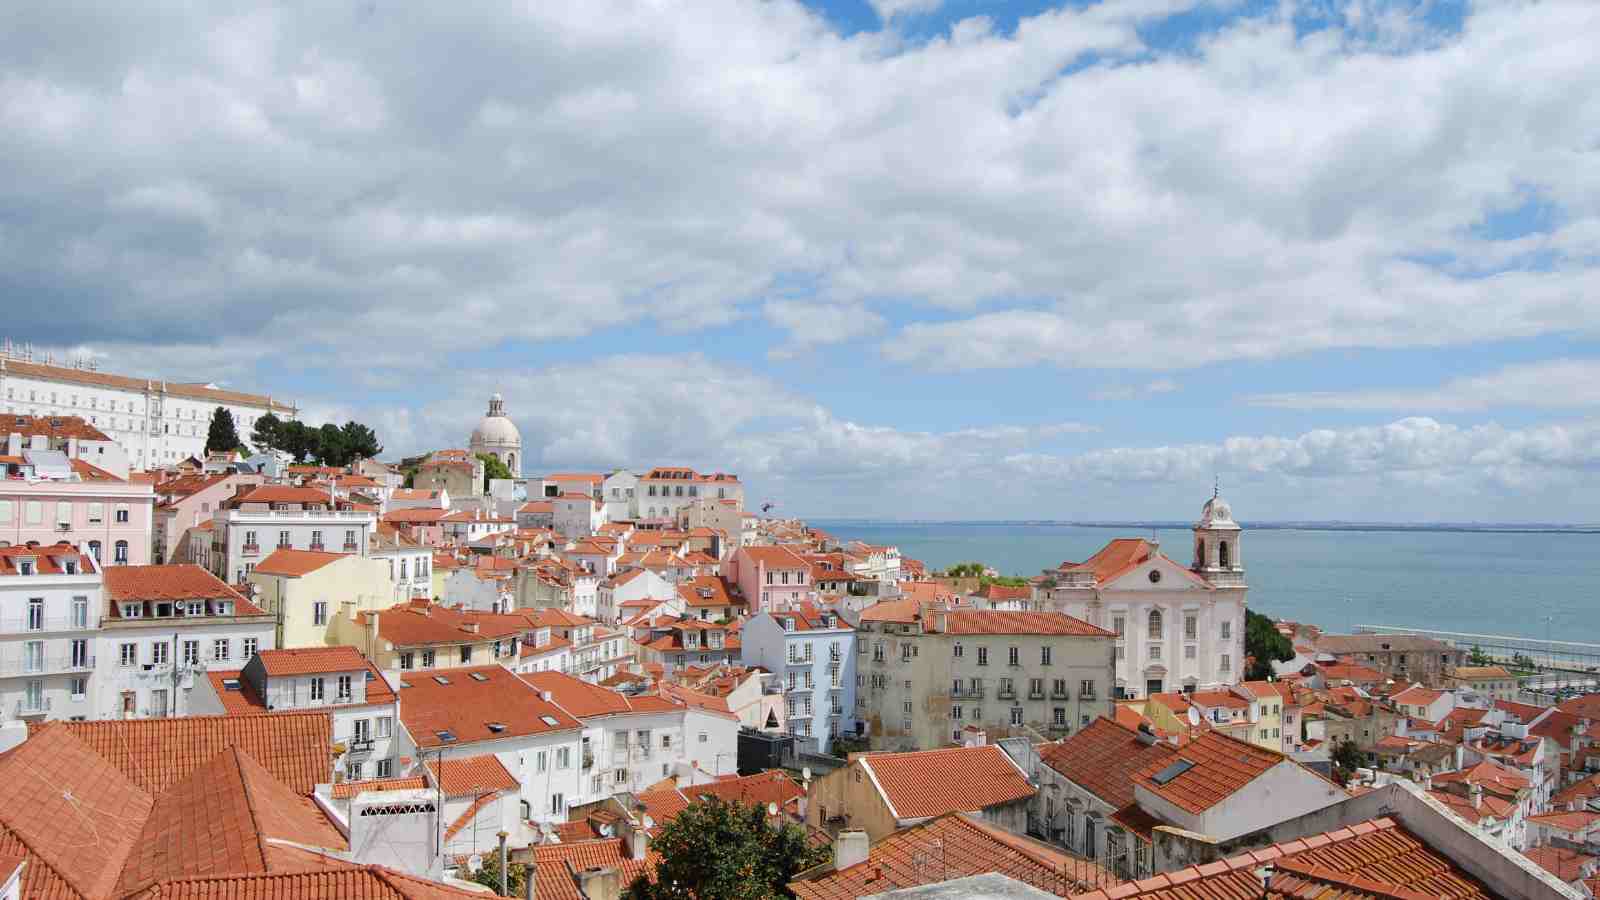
<point x="550" y="720"/>
<point x="448" y="737"/>
<point x="1173" y="771"/>
<point x="441" y="679"/>
<point x="479" y="676"/>
<point x="230" y="684"/>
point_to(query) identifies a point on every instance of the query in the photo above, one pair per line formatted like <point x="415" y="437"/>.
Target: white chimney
<point x="12" y="734"/>
<point x="850" y="848"/>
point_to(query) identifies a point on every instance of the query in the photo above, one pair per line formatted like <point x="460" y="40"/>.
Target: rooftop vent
<point x="1173" y="771"/>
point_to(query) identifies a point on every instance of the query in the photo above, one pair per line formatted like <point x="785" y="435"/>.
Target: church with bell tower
<point x="1177" y="628"/>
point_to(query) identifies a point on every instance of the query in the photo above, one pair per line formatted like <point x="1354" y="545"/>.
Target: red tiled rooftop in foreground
<point x="1103" y="758"/>
<point x="296" y="563"/>
<point x="1373" y="859"/>
<point x="464" y="776"/>
<point x="478" y="703"/>
<point x="312" y="660"/>
<point x="1222" y="765"/>
<point x="958" y="779"/>
<point x="967" y="847"/>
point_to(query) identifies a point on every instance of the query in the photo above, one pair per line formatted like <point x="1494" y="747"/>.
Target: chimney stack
<point x="600" y="883"/>
<point x="1476" y="793"/>
<point x="850" y="848"/>
<point x="635" y="840"/>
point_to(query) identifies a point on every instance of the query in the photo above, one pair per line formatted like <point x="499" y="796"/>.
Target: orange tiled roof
<point x="585" y="700"/>
<point x="558" y="865"/>
<point x="347" y="789"/>
<point x="968" y="847"/>
<point x="466" y="702"/>
<point x="347" y="882"/>
<point x="472" y="775"/>
<point x="1221" y="766"/>
<point x="1103" y="757"/>
<point x="415" y="624"/>
<point x="1570" y="820"/>
<point x="994" y="621"/>
<point x="759" y="789"/>
<point x="48" y="560"/>
<point x="957" y="779"/>
<point x="296" y="563"/>
<point x="1377" y="858"/>
<point x="157" y="753"/>
<point x="169" y="582"/>
<point x="312" y="660"/>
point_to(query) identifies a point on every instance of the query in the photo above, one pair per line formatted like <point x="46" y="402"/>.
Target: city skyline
<point x="886" y="260"/>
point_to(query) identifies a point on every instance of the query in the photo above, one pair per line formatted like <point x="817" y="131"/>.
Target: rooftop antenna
<point x="1216" y="486"/>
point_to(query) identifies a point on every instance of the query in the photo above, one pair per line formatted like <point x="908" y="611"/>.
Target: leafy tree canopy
<point x="1264" y="645"/>
<point x="268" y="434"/>
<point x="489" y="875"/>
<point x="726" y="851"/>
<point x="492" y="468"/>
<point x="223" y="435"/>
<point x="1347" y="757"/>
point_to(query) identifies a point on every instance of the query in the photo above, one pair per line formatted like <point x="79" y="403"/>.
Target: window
<point x="1085" y="690"/>
<point x="406" y="660"/>
<point x="427" y="659"/>
<point x="130" y="655"/>
<point x="1155" y="627"/>
<point x="1044" y="656"/>
<point x="1122" y="652"/>
<point x="344" y="687"/>
<point x="1015" y="657"/>
<point x="1227" y="629"/>
<point x="955" y="712"/>
<point x="249" y="648"/>
<point x="1058" y="715"/>
<point x="36" y="614"/>
<point x="385" y="768"/>
<point x="80" y="612"/>
<point x="1119" y="626"/>
<point x="283" y="538"/>
<point x="1189" y="627"/>
<point x="385" y="726"/>
<point x="317" y="688"/>
<point x="5" y="510"/>
<point x="121" y="553"/>
<point x="79" y="687"/>
<point x="955" y="650"/>
<point x="983" y="656"/>
<point x="541" y="761"/>
<point x="1227" y="663"/>
<point x="1016" y="715"/>
<point x="122" y="513"/>
<point x="620" y="776"/>
<point x="466" y="653"/>
<point x="558" y="803"/>
<point x="319" y="612"/>
<point x="97" y="513"/>
<point x="94" y="550"/>
<point x="1188" y="651"/>
<point x="191" y="653"/>
<point x="361" y="729"/>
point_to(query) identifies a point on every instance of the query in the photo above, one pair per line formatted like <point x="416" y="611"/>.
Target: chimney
<point x="1146" y="735"/>
<point x="600" y="883"/>
<point x="635" y="840"/>
<point x="530" y="884"/>
<point x="1476" y="793"/>
<point x="850" y="848"/>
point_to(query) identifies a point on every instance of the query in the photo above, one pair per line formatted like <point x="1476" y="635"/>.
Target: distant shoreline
<point x="1470" y="528"/>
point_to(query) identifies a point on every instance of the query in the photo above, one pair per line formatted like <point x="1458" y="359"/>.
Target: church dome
<point x="496" y="429"/>
<point x="1216" y="512"/>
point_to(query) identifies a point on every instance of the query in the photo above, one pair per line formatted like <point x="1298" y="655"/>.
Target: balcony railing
<point x="19" y="627"/>
<point x="47" y="665"/>
<point x="349" y="546"/>
<point x="363" y="745"/>
<point x="967" y="693"/>
<point x="33" y="706"/>
<point x="1058" y="694"/>
<point x="241" y="515"/>
<point x="249" y="550"/>
<point x="1007" y="694"/>
<point x="317" y="547"/>
<point x="1036" y="694"/>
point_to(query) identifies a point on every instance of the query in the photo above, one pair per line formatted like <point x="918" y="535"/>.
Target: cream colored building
<point x="1491" y="681"/>
<point x="922" y="680"/>
<point x="306" y="592"/>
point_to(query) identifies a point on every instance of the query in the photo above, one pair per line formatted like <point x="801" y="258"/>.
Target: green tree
<point x="223" y="435"/>
<point x="1264" y="645"/>
<point x="360" y="442"/>
<point x="331" y="448"/>
<point x="492" y="468"/>
<point x="489" y="875"/>
<point x="726" y="851"/>
<point x="268" y="434"/>
<point x="1479" y="658"/>
<point x="1347" y="757"/>
<point x="297" y="439"/>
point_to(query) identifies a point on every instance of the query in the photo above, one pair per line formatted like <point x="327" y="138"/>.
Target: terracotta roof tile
<point x="296" y="563"/>
<point x="1221" y="765"/>
<point x="471" y="700"/>
<point x="47" y="560"/>
<point x="958" y="779"/>
<point x="169" y="582"/>
<point x="759" y="789"/>
<point x="312" y="660"/>
<point x="993" y="621"/>
<point x="558" y="865"/>
<point x="346" y="789"/>
<point x="1103" y="758"/>
<point x="106" y="379"/>
<point x="966" y="847"/>
<point x="472" y="775"/>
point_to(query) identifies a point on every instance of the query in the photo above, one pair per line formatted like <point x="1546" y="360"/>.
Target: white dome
<point x="496" y="431"/>
<point x="1216" y="512"/>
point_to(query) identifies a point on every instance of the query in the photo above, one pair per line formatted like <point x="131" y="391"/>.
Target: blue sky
<point x="891" y="258"/>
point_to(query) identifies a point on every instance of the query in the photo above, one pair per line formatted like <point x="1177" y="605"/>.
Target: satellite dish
<point x="772" y="809"/>
<point x="806" y="773"/>
<point x="1194" y="716"/>
<point x="475" y="863"/>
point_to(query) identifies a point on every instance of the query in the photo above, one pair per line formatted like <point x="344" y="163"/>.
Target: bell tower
<point x="1216" y="543"/>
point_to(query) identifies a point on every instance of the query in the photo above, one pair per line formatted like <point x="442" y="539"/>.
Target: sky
<point x="882" y="258"/>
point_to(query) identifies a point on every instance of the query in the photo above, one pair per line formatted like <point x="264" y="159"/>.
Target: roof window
<point x="496" y="727"/>
<point x="447" y="737"/>
<point x="479" y="676"/>
<point x="550" y="720"/>
<point x="441" y="679"/>
<point x="231" y="684"/>
<point x="1173" y="771"/>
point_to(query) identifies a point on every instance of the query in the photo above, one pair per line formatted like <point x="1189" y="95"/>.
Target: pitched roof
<point x="47" y="560"/>
<point x="465" y="702"/>
<point x="1103" y="757"/>
<point x="585" y="700"/>
<point x="312" y="660"/>
<point x="345" y="883"/>
<point x="175" y="388"/>
<point x="415" y="624"/>
<point x="966" y="847"/>
<point x="157" y="753"/>
<point x="168" y="582"/>
<point x="774" y="556"/>
<point x="773" y="786"/>
<point x="558" y="865"/>
<point x="1373" y="859"/>
<point x="464" y="776"/>
<point x="994" y="621"/>
<point x="295" y="563"/>
<point x="1220" y="766"/>
<point x="928" y="783"/>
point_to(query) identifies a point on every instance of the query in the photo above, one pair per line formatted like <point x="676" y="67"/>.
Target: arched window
<point x="1222" y="554"/>
<point x="511" y="462"/>
<point x="1155" y="624"/>
<point x="121" y="558"/>
<point x="94" y="550"/>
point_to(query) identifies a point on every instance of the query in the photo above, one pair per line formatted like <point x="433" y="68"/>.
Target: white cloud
<point x="1125" y="392"/>
<point x="1552" y="384"/>
<point x="809" y="325"/>
<point x="889" y="9"/>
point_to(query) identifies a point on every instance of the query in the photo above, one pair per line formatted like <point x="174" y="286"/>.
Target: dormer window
<point x="25" y="566"/>
<point x="194" y="608"/>
<point x="133" y="610"/>
<point x="70" y="566"/>
<point x="224" y="607"/>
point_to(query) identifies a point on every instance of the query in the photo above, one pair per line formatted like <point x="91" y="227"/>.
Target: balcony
<point x="12" y="667"/>
<point x="966" y="693"/>
<point x="249" y="550"/>
<point x="317" y="547"/>
<point x="1036" y="694"/>
<point x="792" y="661"/>
<point x="278" y="515"/>
<point x="1058" y="694"/>
<point x="33" y="706"/>
<point x="794" y="686"/>
<point x="359" y="746"/>
<point x="800" y="715"/>
<point x="1006" y="694"/>
<point x="349" y="546"/>
<point x="877" y="659"/>
<point x="20" y="627"/>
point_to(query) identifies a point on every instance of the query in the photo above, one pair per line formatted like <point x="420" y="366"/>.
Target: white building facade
<point x="50" y="602"/>
<point x="273" y="517"/>
<point x="156" y="422"/>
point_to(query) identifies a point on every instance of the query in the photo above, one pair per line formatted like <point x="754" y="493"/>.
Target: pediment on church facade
<point x="1158" y="574"/>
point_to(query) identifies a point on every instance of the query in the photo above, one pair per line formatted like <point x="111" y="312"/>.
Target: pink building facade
<point x="770" y="578"/>
<point x="107" y="516"/>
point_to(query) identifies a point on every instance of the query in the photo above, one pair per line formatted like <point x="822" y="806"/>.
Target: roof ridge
<point x="249" y="802"/>
<point x="35" y="856"/>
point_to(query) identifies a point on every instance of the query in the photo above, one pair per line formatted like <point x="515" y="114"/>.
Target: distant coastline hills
<point x="1481" y="527"/>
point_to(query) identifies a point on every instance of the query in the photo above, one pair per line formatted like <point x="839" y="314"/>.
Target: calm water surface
<point x="1496" y="583"/>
